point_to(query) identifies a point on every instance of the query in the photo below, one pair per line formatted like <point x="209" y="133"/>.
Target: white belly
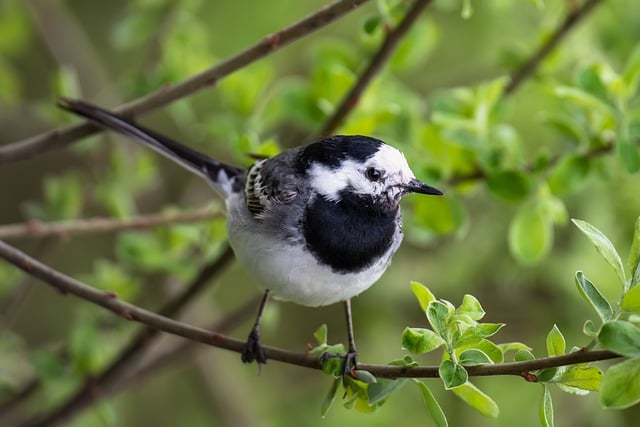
<point x="291" y="272"/>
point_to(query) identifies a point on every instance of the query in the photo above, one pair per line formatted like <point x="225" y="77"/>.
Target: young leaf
<point x="330" y="397"/>
<point x="593" y="296"/>
<point x="523" y="356"/>
<point x="383" y="388"/>
<point x="452" y="374"/>
<point x="556" y="344"/>
<point x="627" y="151"/>
<point x="621" y="337"/>
<point x="546" y="375"/>
<point x="589" y="328"/>
<point x="631" y="300"/>
<point x="485" y="330"/>
<point x="621" y="385"/>
<point x="509" y="185"/>
<point x="438" y="316"/>
<point x="634" y="252"/>
<point x="420" y="340"/>
<point x="471" y="307"/>
<point x="479" y="401"/>
<point x="546" y="408"/>
<point x="530" y="235"/>
<point x="473" y="357"/>
<point x="423" y="294"/>
<point x="583" y="378"/>
<point x="603" y="246"/>
<point x="321" y="334"/>
<point x="433" y="408"/>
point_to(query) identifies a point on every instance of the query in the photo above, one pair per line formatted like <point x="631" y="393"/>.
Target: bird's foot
<point x="253" y="350"/>
<point x="350" y="360"/>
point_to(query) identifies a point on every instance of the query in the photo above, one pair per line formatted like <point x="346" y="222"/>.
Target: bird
<point x="314" y="225"/>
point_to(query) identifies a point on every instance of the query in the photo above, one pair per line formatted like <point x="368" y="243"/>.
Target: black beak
<point x="416" y="186"/>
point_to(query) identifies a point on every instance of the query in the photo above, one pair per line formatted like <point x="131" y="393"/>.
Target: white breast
<point x="288" y="270"/>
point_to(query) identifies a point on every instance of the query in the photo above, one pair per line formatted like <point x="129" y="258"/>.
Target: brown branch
<point x="84" y="396"/>
<point x="528" y="68"/>
<point x="58" y="138"/>
<point x="394" y="35"/>
<point x="158" y="322"/>
<point x="37" y="229"/>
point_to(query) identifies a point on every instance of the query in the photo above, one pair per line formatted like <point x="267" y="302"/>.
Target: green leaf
<point x="556" y="344"/>
<point x="589" y="328"/>
<point x="627" y="151"/>
<point x="321" y="334"/>
<point x="569" y="175"/>
<point x="523" y="356"/>
<point x="513" y="346"/>
<point x="530" y="235"/>
<point x="383" y="388"/>
<point x="423" y="294"/>
<point x="621" y="385"/>
<point x="631" y="300"/>
<point x="330" y="397"/>
<point x="479" y="401"/>
<point x="485" y="330"/>
<point x="471" y="307"/>
<point x="634" y="252"/>
<point x="546" y="375"/>
<point x="603" y="246"/>
<point x="452" y="374"/>
<point x="621" y="337"/>
<point x="433" y="408"/>
<point x="438" y="316"/>
<point x="545" y="410"/>
<point x="584" y="378"/>
<point x="509" y="185"/>
<point x="593" y="296"/>
<point x="420" y="340"/>
<point x="473" y="357"/>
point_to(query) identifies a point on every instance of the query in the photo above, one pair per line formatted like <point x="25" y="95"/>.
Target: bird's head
<point x="362" y="169"/>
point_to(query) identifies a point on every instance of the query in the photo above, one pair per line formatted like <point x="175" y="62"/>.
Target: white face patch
<point x="351" y="174"/>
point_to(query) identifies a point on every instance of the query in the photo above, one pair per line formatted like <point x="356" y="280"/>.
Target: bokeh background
<point x="113" y="52"/>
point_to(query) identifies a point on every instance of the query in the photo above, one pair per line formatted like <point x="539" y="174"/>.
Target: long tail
<point x="223" y="177"/>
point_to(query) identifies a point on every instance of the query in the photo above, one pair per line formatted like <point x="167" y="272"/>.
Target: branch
<point x="394" y="35"/>
<point x="158" y="322"/>
<point x="58" y="138"/>
<point x="37" y="229"/>
<point x="527" y="69"/>
<point x="84" y="395"/>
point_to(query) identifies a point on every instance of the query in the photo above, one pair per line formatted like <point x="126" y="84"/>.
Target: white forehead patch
<point x="352" y="174"/>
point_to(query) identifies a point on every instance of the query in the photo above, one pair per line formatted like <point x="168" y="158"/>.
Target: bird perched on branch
<point x="314" y="225"/>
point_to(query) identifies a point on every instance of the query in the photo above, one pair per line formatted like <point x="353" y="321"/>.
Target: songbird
<point x="314" y="225"/>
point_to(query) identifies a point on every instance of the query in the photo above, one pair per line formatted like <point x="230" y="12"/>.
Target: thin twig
<point x="158" y="322"/>
<point x="528" y="68"/>
<point x="393" y="37"/>
<point x="84" y="395"/>
<point x="58" y="138"/>
<point x="37" y="229"/>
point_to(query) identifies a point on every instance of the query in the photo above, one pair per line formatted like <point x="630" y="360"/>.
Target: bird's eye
<point x="373" y="174"/>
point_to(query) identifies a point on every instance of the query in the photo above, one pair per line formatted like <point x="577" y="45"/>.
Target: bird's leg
<point x="351" y="358"/>
<point x="253" y="347"/>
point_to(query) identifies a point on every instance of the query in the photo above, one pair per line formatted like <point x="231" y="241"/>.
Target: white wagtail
<point x="314" y="225"/>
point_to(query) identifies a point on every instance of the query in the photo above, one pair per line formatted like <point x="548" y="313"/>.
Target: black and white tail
<point x="223" y="177"/>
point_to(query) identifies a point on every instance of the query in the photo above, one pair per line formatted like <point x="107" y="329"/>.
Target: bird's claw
<point x="253" y="350"/>
<point x="350" y="361"/>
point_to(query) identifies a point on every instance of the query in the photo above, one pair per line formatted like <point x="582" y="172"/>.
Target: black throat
<point x="351" y="234"/>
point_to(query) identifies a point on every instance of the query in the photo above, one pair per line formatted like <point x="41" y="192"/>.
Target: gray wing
<point x="271" y="183"/>
<point x="274" y="193"/>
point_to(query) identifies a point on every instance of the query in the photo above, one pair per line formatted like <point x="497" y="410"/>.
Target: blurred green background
<point x="113" y="52"/>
